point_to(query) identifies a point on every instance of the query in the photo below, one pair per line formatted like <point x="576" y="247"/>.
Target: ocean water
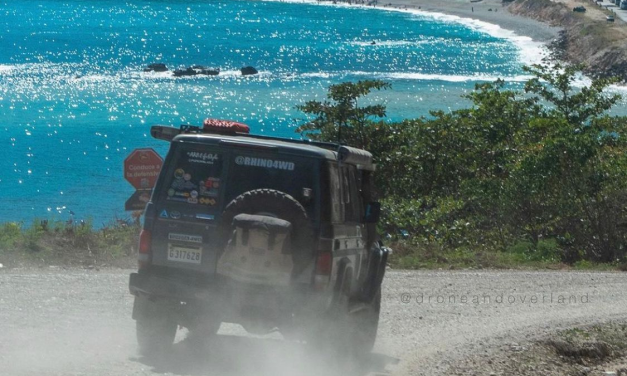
<point x="74" y="100"/>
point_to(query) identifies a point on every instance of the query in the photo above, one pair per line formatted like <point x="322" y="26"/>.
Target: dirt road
<point x="75" y="322"/>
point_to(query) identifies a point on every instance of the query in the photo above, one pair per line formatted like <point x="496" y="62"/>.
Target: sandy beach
<point x="491" y="11"/>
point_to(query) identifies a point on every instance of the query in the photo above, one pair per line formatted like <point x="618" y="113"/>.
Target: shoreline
<point x="493" y="12"/>
<point x="532" y="37"/>
<point x="542" y="29"/>
<point x="576" y="38"/>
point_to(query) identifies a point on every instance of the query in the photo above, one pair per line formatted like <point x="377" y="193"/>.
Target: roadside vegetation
<point x="68" y="243"/>
<point x="536" y="177"/>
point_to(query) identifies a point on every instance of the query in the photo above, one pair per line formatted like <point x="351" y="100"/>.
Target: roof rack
<point x="167" y="133"/>
<point x="361" y="158"/>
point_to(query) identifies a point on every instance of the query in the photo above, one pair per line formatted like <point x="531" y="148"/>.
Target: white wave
<point x="389" y="43"/>
<point x="231" y="73"/>
<point x="581" y="81"/>
<point x="6" y="68"/>
<point x="153" y="75"/>
<point x="417" y="76"/>
<point x="94" y="78"/>
<point x="237" y="73"/>
<point x="616" y="89"/>
<point x="440" y="77"/>
<point x="317" y="75"/>
<point x="530" y="51"/>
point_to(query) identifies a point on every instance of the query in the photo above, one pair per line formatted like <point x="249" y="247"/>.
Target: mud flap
<point x="146" y="307"/>
<point x="376" y="271"/>
<point x="140" y="307"/>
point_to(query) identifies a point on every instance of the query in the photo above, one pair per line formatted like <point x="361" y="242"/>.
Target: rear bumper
<point x="151" y="285"/>
<point x="223" y="294"/>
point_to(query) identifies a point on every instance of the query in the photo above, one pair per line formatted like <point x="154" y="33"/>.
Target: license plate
<point x="191" y="255"/>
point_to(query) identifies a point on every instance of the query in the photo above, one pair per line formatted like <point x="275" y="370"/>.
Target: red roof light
<point x="224" y="126"/>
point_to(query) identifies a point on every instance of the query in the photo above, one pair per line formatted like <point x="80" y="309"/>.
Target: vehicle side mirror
<point x="373" y="211"/>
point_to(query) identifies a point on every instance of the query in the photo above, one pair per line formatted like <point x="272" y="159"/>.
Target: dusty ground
<point x="77" y="322"/>
<point x="585" y="350"/>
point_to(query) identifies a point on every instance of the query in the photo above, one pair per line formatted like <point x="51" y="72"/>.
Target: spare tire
<point x="280" y="205"/>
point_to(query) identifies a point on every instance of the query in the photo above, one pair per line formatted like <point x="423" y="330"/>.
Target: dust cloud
<point x="232" y="352"/>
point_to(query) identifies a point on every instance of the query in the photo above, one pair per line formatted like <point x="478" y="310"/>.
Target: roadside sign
<point x="138" y="200"/>
<point x="141" y="168"/>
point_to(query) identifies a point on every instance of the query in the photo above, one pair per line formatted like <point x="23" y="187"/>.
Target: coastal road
<point x="610" y="5"/>
<point x="78" y="322"/>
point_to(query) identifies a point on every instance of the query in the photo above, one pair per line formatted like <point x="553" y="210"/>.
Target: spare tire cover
<point x="281" y="205"/>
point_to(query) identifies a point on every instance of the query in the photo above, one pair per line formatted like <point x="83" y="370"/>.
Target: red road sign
<point x="138" y="200"/>
<point x="141" y="168"/>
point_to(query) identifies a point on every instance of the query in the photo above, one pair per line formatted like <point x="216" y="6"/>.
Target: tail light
<point x="324" y="266"/>
<point x="145" y="248"/>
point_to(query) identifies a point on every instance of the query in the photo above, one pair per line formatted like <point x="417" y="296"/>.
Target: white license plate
<point x="192" y="255"/>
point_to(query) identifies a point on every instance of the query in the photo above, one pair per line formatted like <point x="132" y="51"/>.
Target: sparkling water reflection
<point x="74" y="100"/>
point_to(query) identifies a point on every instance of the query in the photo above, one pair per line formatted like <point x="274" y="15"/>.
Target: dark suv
<point x="261" y="231"/>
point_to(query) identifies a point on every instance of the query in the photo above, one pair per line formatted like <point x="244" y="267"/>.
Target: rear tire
<point x="202" y="333"/>
<point x="349" y="334"/>
<point x="155" y="329"/>
<point x="366" y="324"/>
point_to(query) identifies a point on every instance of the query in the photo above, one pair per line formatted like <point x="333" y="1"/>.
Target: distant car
<point x="579" y="9"/>
<point x="610" y="18"/>
<point x="623" y="4"/>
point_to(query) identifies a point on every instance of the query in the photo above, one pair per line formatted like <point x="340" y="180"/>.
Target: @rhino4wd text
<point x="263" y="162"/>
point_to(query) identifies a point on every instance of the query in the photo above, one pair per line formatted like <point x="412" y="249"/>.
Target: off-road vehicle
<point x="269" y="233"/>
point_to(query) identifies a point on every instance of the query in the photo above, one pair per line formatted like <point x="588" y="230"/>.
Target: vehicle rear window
<point x="288" y="174"/>
<point x="195" y="177"/>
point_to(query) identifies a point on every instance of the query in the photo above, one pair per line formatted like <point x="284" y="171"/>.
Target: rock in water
<point x="157" y="67"/>
<point x="248" y="71"/>
<point x="195" y="70"/>
<point x="185" y="72"/>
<point x="206" y="70"/>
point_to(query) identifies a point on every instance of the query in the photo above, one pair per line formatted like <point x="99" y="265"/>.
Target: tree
<point x="546" y="163"/>
<point x="341" y="119"/>
<point x="554" y="84"/>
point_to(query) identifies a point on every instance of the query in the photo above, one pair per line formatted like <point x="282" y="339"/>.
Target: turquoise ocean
<point x="74" y="100"/>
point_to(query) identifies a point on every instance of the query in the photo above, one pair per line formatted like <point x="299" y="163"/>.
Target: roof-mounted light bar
<point x="224" y="126"/>
<point x="167" y="133"/>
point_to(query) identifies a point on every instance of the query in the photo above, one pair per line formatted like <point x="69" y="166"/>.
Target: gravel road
<point x="76" y="322"/>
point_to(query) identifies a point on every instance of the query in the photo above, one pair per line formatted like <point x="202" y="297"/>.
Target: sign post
<point x="141" y="169"/>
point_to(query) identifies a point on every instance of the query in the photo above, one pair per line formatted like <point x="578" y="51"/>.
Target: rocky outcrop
<point x="599" y="45"/>
<point x="156" y="67"/>
<point x="246" y="71"/>
<point x="196" y="70"/>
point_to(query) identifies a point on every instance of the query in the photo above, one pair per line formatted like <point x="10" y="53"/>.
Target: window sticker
<point x="200" y="157"/>
<point x="182" y="180"/>
<point x="193" y="197"/>
<point x="264" y="162"/>
<point x="184" y="190"/>
<point x="207" y="201"/>
<point x="209" y="187"/>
